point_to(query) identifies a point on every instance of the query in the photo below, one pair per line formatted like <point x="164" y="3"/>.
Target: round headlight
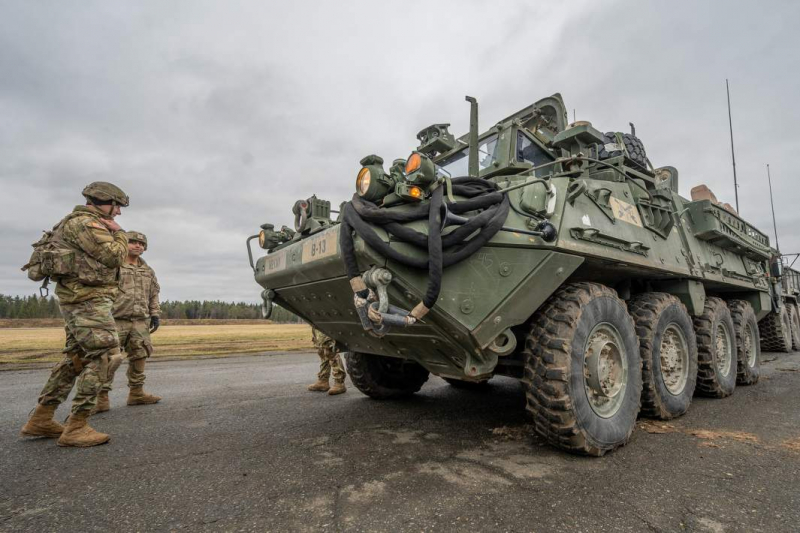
<point x="413" y="163"/>
<point x="362" y="181"/>
<point x="262" y="238"/>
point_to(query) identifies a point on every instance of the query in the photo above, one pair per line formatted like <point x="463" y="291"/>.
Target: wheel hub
<point x="724" y="352"/>
<point x="674" y="358"/>
<point x="749" y="346"/>
<point x="605" y="370"/>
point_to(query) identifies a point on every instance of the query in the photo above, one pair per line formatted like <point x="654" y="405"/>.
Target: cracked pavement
<point x="239" y="445"/>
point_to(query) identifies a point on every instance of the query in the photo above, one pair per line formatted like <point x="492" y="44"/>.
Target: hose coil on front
<point x="443" y="250"/>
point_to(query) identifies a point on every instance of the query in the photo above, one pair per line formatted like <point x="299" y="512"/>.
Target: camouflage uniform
<point x="330" y="360"/>
<point x="86" y="300"/>
<point x="136" y="303"/>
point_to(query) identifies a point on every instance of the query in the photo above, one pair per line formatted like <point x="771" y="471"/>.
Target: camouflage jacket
<point x="138" y="292"/>
<point x="322" y="341"/>
<point x="100" y="253"/>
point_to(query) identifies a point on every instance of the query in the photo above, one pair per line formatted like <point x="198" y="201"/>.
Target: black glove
<point x="154" y="323"/>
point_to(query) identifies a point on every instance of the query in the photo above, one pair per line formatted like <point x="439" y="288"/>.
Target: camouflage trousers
<point x="330" y="360"/>
<point x="91" y="343"/>
<point x="134" y="339"/>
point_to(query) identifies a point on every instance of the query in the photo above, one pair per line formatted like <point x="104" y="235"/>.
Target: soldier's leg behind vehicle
<point x="337" y="367"/>
<point x="138" y="349"/>
<point x="93" y="328"/>
<point x="324" y="364"/>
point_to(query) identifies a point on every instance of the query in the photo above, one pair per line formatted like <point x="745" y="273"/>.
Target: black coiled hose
<point x="443" y="251"/>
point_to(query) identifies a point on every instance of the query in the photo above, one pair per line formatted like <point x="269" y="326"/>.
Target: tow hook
<point x="267" y="295"/>
<point x="377" y="314"/>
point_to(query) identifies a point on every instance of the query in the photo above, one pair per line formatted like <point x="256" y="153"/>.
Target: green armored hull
<point x="541" y="250"/>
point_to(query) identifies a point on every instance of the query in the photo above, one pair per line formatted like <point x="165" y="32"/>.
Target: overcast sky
<point x="216" y="116"/>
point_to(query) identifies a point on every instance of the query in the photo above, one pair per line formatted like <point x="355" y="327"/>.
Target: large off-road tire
<point x="633" y="145"/>
<point x="716" y="350"/>
<point x="669" y="354"/>
<point x="382" y="377"/>
<point x="583" y="373"/>
<point x="794" y="321"/>
<point x="776" y="332"/>
<point x="468" y="385"/>
<point x="748" y="346"/>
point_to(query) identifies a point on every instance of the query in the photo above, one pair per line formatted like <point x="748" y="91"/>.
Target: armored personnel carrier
<point x="542" y="250"/>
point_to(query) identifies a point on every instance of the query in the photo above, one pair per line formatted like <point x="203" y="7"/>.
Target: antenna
<point x="774" y="225"/>
<point x="573" y="115"/>
<point x="733" y="157"/>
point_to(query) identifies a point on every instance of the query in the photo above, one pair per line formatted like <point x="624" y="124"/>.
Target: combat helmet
<point x="137" y="236"/>
<point x="105" y="192"/>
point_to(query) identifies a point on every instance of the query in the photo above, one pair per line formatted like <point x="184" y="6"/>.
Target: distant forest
<point x="38" y="307"/>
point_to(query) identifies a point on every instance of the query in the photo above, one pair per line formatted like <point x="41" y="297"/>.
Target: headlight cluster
<point x="410" y="179"/>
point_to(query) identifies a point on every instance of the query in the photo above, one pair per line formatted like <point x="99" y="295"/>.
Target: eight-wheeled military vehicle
<point x="542" y="250"/>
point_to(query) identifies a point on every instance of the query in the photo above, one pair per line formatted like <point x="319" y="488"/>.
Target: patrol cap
<point x="106" y="193"/>
<point x="136" y="236"/>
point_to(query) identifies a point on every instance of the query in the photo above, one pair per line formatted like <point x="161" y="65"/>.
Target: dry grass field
<point x="44" y="344"/>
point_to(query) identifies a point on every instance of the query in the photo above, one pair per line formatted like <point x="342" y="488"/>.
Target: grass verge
<point x="22" y="346"/>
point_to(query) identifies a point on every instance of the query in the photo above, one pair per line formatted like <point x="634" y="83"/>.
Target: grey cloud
<point x="215" y="117"/>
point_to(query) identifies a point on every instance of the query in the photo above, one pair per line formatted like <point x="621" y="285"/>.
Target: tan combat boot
<point x="137" y="396"/>
<point x="41" y="423"/>
<point x="338" y="388"/>
<point x="319" y="386"/>
<point x="103" y="403"/>
<point x="80" y="434"/>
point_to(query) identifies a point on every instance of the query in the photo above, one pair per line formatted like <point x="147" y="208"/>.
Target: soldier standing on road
<point x="136" y="312"/>
<point x="92" y="247"/>
<point x="330" y="360"/>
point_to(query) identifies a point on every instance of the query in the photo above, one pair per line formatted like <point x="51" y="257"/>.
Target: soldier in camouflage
<point x="330" y="360"/>
<point x="97" y="246"/>
<point x="136" y="312"/>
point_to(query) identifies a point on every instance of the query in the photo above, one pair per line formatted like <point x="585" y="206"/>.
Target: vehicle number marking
<point x="321" y="246"/>
<point x="275" y="262"/>
<point x="625" y="212"/>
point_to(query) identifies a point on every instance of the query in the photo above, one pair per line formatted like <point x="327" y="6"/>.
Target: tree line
<point x="38" y="307"/>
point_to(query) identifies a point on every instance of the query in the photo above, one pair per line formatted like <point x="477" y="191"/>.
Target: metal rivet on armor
<point x="467" y="306"/>
<point x="505" y="269"/>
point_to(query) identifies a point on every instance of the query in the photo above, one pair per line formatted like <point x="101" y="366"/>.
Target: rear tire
<point x="716" y="350"/>
<point x="382" y="377"/>
<point x="583" y="373"/>
<point x="776" y="332"/>
<point x="794" y="320"/>
<point x="748" y="345"/>
<point x="669" y="354"/>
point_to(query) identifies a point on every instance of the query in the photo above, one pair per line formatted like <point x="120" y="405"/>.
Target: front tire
<point x="669" y="354"/>
<point x="382" y="377"/>
<point x="716" y="350"/>
<point x="583" y="373"/>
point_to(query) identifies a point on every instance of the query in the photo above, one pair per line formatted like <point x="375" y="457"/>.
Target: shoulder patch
<point x="97" y="225"/>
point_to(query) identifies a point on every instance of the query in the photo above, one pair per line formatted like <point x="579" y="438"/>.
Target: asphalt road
<point x="239" y="445"/>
